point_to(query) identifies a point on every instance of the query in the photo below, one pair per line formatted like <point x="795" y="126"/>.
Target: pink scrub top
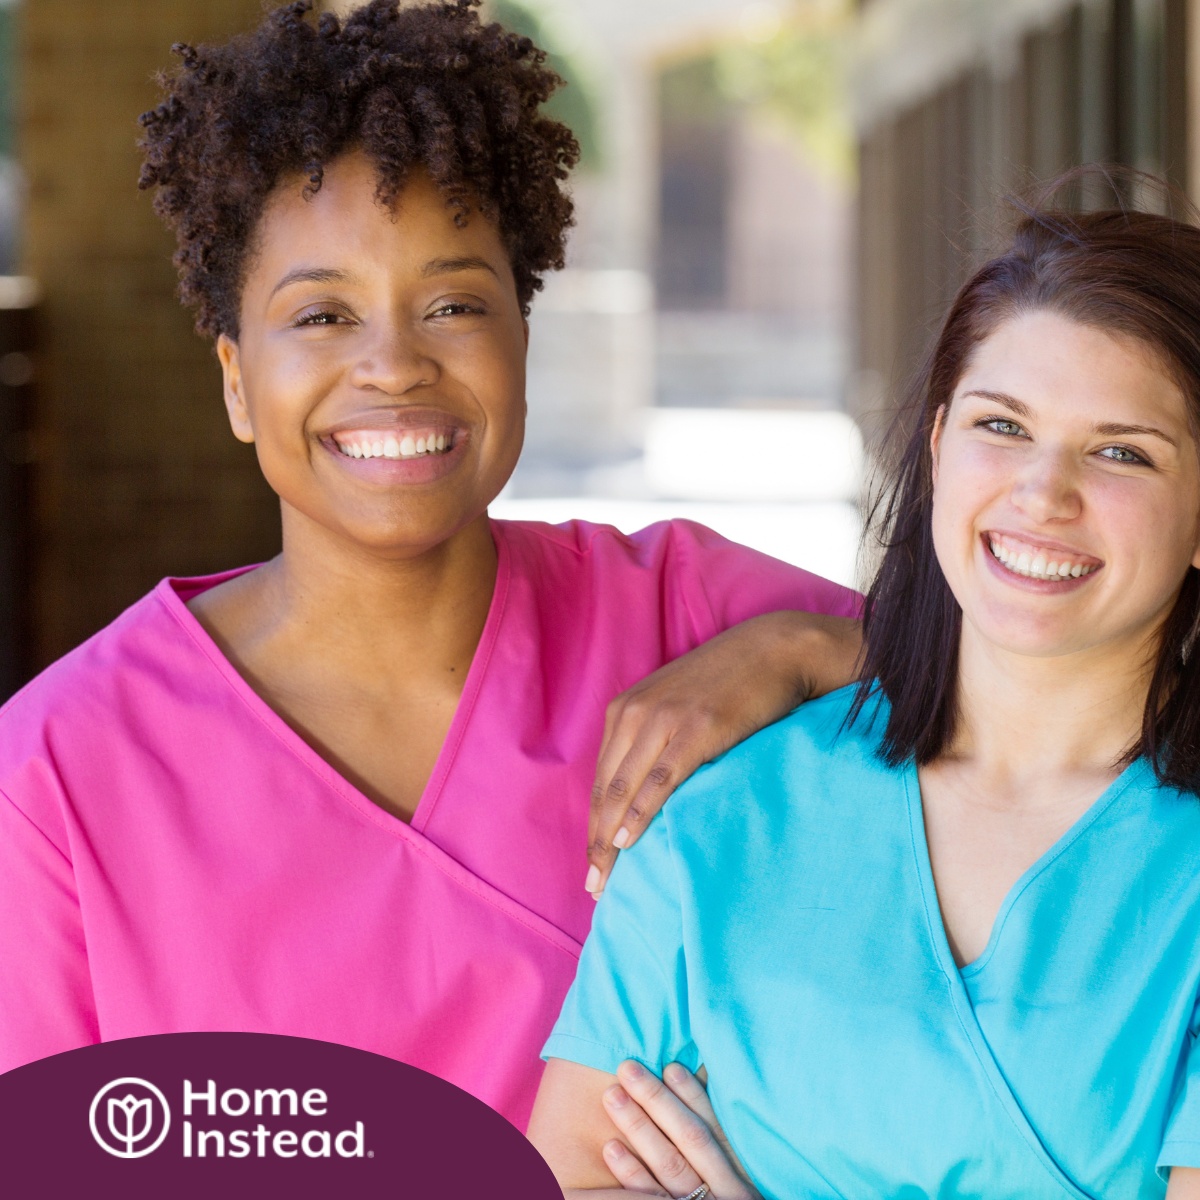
<point x="174" y="857"/>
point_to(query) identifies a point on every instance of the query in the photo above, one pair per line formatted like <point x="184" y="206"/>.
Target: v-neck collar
<point x="912" y="788"/>
<point x="960" y="999"/>
<point x="175" y="593"/>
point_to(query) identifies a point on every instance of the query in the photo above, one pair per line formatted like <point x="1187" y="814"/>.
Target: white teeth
<point x="1036" y="566"/>
<point x="390" y="446"/>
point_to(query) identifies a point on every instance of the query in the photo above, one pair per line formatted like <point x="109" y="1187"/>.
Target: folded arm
<point x="605" y="1136"/>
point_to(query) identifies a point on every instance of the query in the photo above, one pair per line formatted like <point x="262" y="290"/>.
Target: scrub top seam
<point x="396" y="829"/>
<point x="1040" y="1153"/>
<point x="699" y="637"/>
<point x="476" y="675"/>
<point x="1189" y="1148"/>
<point x="1099" y="807"/>
<point x="40" y="831"/>
<point x="623" y="1051"/>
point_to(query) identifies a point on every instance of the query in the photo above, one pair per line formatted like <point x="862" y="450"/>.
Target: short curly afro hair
<point x="428" y="87"/>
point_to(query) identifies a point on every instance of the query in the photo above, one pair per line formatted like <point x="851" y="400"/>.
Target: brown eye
<point x="456" y="308"/>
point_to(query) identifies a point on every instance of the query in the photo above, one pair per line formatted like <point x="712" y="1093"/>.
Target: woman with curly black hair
<point x="345" y="794"/>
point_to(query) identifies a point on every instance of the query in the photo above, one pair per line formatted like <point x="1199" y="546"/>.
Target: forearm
<point x="1184" y="1184"/>
<point x="822" y="653"/>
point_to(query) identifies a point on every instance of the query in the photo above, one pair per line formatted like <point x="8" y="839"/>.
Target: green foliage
<point x="797" y="75"/>
<point x="691" y="91"/>
<point x="572" y="105"/>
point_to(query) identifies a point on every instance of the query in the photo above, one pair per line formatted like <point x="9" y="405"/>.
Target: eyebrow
<point x="312" y="275"/>
<point x="1105" y="428"/>
<point x="1010" y="402"/>
<point x="448" y="266"/>
<point x="437" y="266"/>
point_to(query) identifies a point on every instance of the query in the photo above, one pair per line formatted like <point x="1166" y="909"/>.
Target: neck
<point x="1027" y="717"/>
<point x="373" y="612"/>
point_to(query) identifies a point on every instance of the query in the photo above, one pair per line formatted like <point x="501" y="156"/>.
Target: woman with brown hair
<point x="939" y="935"/>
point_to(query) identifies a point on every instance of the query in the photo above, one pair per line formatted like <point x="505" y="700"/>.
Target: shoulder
<point x="91" y="691"/>
<point x="719" y="581"/>
<point x="818" y="752"/>
<point x="589" y="543"/>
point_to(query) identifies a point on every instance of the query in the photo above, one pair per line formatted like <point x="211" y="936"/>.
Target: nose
<point x="1048" y="489"/>
<point x="393" y="360"/>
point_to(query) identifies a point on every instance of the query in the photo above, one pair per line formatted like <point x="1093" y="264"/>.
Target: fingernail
<point x="615" y="1151"/>
<point x="615" y="1097"/>
<point x="592" y="882"/>
<point x="674" y="1073"/>
<point x="632" y="1070"/>
<point x="597" y="895"/>
<point x="622" y="838"/>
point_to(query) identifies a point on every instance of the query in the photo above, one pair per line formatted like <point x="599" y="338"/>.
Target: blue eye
<point x="1121" y="454"/>
<point x="1002" y="426"/>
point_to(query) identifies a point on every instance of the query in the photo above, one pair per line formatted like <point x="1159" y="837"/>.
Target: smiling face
<point x="380" y="363"/>
<point x="1066" y="505"/>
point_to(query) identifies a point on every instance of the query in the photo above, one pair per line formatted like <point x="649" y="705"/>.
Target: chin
<point x="1027" y="636"/>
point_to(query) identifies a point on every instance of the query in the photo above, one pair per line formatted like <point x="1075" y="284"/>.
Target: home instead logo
<point x="131" y="1118"/>
<point x="242" y="1116"/>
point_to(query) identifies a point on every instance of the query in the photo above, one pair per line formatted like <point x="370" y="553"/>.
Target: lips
<point x="410" y="443"/>
<point x="1049" y="562"/>
<point x="397" y="444"/>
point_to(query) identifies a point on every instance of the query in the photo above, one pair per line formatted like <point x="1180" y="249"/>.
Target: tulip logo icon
<point x="124" y="1115"/>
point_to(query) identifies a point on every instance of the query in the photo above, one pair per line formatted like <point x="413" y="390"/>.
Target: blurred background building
<point x="777" y="199"/>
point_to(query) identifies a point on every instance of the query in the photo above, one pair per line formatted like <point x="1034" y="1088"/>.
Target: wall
<point x="1003" y="103"/>
<point x="137" y="474"/>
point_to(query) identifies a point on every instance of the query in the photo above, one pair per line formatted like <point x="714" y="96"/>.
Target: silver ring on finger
<point x="698" y="1194"/>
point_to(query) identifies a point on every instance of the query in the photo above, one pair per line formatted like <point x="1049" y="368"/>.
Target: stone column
<point x="138" y="475"/>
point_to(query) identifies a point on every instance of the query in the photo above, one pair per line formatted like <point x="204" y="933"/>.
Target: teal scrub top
<point x="778" y="923"/>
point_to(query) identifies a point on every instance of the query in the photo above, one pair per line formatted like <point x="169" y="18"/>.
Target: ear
<point x="235" y="398"/>
<point x="935" y="438"/>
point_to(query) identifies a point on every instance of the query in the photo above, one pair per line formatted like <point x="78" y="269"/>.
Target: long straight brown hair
<point x="1135" y="274"/>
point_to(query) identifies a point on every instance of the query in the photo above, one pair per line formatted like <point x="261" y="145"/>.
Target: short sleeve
<point x="629" y="998"/>
<point x="46" y="1003"/>
<point x="726" y="583"/>
<point x="1181" y="1142"/>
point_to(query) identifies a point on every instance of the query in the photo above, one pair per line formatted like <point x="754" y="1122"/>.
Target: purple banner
<point x="232" y="1115"/>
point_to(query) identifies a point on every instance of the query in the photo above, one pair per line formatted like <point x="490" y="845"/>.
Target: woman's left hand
<point x="697" y="707"/>
<point x="673" y="1143"/>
